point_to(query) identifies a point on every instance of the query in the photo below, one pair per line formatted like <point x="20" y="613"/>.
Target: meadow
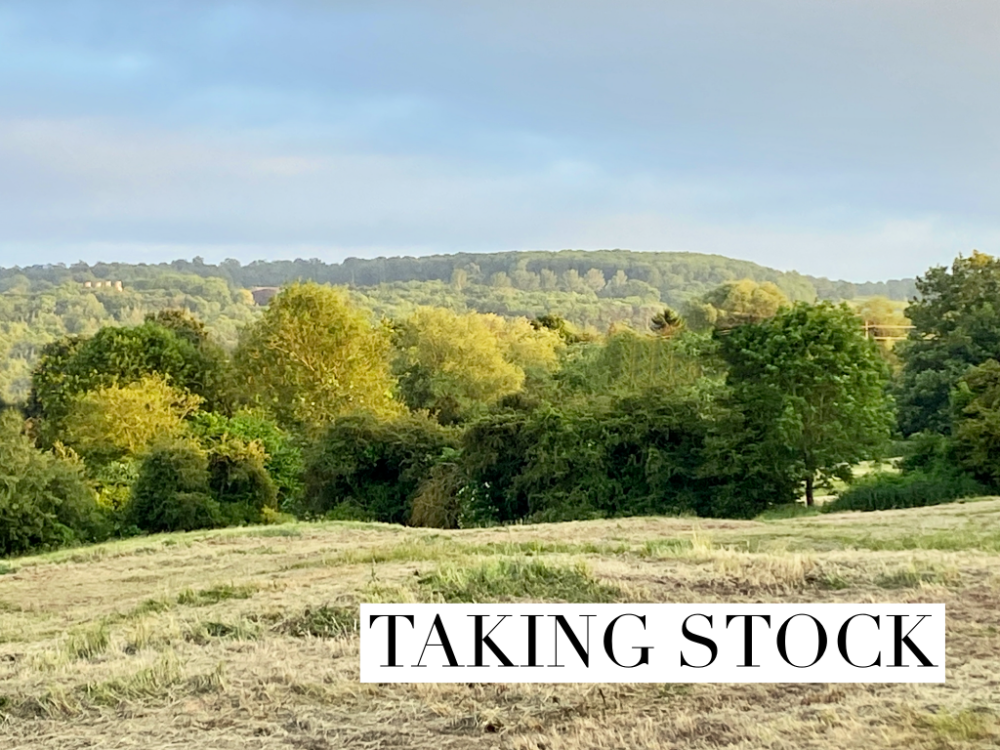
<point x="247" y="637"/>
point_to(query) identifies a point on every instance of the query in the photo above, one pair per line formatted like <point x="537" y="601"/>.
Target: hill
<point x="39" y="304"/>
<point x="247" y="637"/>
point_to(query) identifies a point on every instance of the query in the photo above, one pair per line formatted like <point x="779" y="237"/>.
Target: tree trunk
<point x="809" y="490"/>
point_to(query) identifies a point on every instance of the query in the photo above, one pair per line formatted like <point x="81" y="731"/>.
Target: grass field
<point x="246" y="638"/>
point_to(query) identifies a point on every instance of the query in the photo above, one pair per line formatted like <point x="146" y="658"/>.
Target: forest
<point x="593" y="290"/>
<point x="176" y="403"/>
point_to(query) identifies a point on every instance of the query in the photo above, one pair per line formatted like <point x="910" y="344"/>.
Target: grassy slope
<point x="244" y="637"/>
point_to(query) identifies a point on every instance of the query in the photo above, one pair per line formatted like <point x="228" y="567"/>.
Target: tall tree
<point x="118" y="356"/>
<point x="810" y="392"/>
<point x="956" y="326"/>
<point x="314" y="356"/>
<point x="449" y="363"/>
<point x="976" y="428"/>
<point x="122" y="420"/>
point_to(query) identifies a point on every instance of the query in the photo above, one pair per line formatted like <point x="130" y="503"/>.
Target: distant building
<point x="262" y="294"/>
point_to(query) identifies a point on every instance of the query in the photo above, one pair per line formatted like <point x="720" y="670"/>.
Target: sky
<point x="855" y="140"/>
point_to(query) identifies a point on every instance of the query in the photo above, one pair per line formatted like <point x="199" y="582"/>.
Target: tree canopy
<point x="314" y="356"/>
<point x="810" y="391"/>
<point x="956" y="326"/>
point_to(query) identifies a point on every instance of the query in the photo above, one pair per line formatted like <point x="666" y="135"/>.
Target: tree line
<point x="738" y="401"/>
<point x="592" y="290"/>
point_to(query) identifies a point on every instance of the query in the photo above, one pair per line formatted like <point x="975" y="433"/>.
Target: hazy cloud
<point x="852" y="139"/>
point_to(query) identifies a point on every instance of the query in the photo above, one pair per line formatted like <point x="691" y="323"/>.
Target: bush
<point x="182" y="487"/>
<point x="239" y="482"/>
<point x="911" y="490"/>
<point x="637" y="455"/>
<point x="282" y="458"/>
<point x="366" y="468"/>
<point x="438" y="501"/>
<point x="172" y="490"/>
<point x="45" y="501"/>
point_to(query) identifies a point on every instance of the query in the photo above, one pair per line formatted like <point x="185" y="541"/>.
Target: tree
<point x="956" y="326"/>
<point x="449" y="363"/>
<point x="809" y="393"/>
<point x="884" y="321"/>
<point x="313" y="356"/>
<point x="883" y="316"/>
<point x="370" y="469"/>
<point x="119" y="356"/>
<point x="666" y="323"/>
<point x="976" y="429"/>
<point x="45" y="500"/>
<point x="122" y="420"/>
<point x="735" y="303"/>
<point x="181" y="322"/>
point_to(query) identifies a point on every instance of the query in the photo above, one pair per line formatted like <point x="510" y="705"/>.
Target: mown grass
<point x="216" y="594"/>
<point x="324" y="621"/>
<point x="961" y="726"/>
<point x="152" y="682"/>
<point x="87" y="643"/>
<point x="203" y="642"/>
<point x="507" y="580"/>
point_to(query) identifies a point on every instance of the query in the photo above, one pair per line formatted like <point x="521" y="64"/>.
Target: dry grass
<point x="247" y="638"/>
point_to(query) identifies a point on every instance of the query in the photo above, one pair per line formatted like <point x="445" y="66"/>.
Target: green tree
<point x="119" y="356"/>
<point x="956" y="326"/>
<point x="808" y="391"/>
<point x="314" y="356"/>
<point x="181" y="322"/>
<point x="666" y="323"/>
<point x="45" y="501"/>
<point x="370" y="469"/>
<point x="976" y="429"/>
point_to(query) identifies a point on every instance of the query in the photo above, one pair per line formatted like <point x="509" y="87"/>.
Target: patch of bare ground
<point x="245" y="638"/>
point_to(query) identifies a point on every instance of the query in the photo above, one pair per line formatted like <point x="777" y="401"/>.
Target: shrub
<point x="637" y="455"/>
<point x="438" y="501"/>
<point x="172" y="490"/>
<point x="239" y="482"/>
<point x="282" y="458"/>
<point x="373" y="468"/>
<point x="911" y="490"/>
<point x="45" y="501"/>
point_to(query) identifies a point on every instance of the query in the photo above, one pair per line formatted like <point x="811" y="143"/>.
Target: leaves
<point x="314" y="356"/>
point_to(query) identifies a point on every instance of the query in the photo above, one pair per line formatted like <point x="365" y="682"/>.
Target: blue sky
<point x="856" y="140"/>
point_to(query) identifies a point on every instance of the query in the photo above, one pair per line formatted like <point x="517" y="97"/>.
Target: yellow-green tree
<point x="123" y="420"/>
<point x="735" y="303"/>
<point x="314" y="356"/>
<point x="534" y="350"/>
<point x="449" y="363"/>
